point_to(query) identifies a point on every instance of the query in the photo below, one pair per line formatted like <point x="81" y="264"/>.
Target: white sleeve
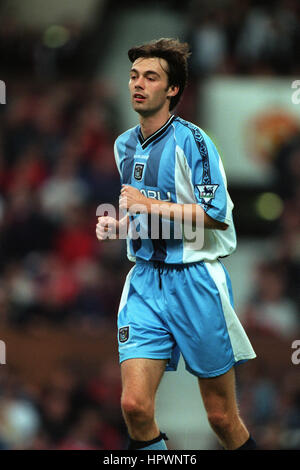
<point x="117" y="157"/>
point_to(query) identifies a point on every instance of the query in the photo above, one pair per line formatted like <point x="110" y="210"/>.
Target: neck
<point x="150" y="124"/>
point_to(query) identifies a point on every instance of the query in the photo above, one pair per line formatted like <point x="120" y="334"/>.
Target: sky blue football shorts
<point x="166" y="310"/>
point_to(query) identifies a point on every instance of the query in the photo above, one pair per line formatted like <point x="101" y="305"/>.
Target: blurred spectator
<point x="26" y="228"/>
<point x="270" y="403"/>
<point x="209" y="44"/>
<point x="96" y="300"/>
<point x="19" y="418"/>
<point x="62" y="190"/>
<point x="271" y="310"/>
<point x="75" y="239"/>
<point x="268" y="37"/>
<point x="244" y="37"/>
<point x="62" y="415"/>
<point x="287" y="165"/>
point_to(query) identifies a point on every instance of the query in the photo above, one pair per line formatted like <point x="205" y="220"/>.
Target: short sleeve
<point x="117" y="157"/>
<point x="208" y="176"/>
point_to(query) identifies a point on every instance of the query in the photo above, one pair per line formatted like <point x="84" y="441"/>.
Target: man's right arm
<point x="110" y="228"/>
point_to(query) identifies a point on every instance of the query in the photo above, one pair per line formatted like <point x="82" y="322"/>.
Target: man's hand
<point x="107" y="227"/>
<point x="130" y="197"/>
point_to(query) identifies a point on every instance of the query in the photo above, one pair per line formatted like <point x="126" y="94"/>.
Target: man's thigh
<point x="142" y="330"/>
<point x="202" y="320"/>
<point x="141" y="377"/>
<point x="218" y="393"/>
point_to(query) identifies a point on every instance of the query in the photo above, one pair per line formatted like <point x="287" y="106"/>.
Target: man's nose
<point x="139" y="83"/>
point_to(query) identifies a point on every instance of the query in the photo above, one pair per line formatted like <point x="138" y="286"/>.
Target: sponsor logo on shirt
<point x="153" y="194"/>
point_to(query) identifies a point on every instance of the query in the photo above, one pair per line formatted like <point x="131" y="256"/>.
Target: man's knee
<point x="221" y="421"/>
<point x="136" y="409"/>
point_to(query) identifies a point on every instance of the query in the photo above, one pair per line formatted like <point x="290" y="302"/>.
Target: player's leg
<point x="216" y="341"/>
<point x="140" y="380"/>
<point x="145" y="347"/>
<point x="219" y="398"/>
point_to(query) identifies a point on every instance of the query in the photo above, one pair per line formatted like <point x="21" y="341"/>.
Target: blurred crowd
<point x="270" y="390"/>
<point x="244" y="37"/>
<point x="71" y="411"/>
<point x="260" y="38"/>
<point x="274" y="307"/>
<point x="57" y="166"/>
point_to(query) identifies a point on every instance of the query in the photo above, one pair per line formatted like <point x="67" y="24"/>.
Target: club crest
<point x="138" y="171"/>
<point x="123" y="334"/>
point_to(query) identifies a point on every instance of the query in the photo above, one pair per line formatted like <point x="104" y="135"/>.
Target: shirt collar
<point x="145" y="142"/>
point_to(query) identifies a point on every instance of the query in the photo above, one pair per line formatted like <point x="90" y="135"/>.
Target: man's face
<point x="148" y="85"/>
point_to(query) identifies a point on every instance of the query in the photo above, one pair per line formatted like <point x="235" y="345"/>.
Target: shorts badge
<point x="124" y="334"/>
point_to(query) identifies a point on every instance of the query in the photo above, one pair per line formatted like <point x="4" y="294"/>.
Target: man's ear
<point x="173" y="90"/>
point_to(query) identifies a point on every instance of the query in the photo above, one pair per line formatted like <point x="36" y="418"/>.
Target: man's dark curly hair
<point x="176" y="55"/>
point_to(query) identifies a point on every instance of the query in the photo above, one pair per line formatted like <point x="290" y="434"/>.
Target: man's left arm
<point x="132" y="199"/>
